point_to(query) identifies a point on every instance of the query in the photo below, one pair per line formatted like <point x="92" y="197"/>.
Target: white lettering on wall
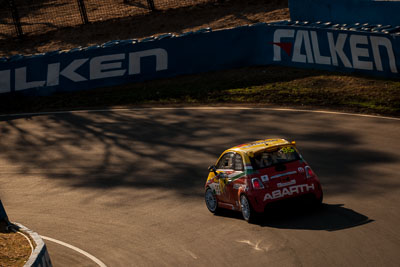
<point x="358" y="52"/>
<point x="135" y="60"/>
<point x="5" y="83"/>
<point x="99" y="69"/>
<point x="357" y="46"/>
<point x="69" y="72"/>
<point x="319" y="59"/>
<point x="302" y="37"/>
<point x="278" y="35"/>
<point x="21" y="82"/>
<point x="377" y="41"/>
<point x="337" y="49"/>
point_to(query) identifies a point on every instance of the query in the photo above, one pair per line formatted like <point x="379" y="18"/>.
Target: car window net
<point x="226" y="162"/>
<point x="238" y="163"/>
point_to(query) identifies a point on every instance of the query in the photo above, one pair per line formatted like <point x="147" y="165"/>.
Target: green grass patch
<point x="272" y="85"/>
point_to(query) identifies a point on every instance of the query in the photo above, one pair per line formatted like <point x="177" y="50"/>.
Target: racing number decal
<point x="287" y="150"/>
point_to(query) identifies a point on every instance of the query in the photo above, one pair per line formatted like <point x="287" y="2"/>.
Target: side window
<point x="226" y="162"/>
<point x="238" y="163"/>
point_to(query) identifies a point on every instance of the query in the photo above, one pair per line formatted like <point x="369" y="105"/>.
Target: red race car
<point x="250" y="176"/>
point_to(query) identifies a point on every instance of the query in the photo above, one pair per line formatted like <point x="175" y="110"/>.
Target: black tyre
<point x="247" y="210"/>
<point x="317" y="202"/>
<point x="211" y="201"/>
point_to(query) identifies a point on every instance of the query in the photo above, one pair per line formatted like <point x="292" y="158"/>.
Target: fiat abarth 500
<point x="248" y="177"/>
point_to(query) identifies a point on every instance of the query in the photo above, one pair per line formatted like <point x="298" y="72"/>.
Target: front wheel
<point x="211" y="201"/>
<point x="247" y="210"/>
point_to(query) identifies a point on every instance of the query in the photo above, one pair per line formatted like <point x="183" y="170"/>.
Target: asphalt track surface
<point x="126" y="186"/>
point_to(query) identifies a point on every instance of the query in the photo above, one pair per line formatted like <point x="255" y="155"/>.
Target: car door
<point x="224" y="169"/>
<point x="236" y="180"/>
<point x="231" y="170"/>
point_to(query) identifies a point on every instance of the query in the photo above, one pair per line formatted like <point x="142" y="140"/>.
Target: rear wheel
<point x="317" y="202"/>
<point x="211" y="201"/>
<point x="247" y="210"/>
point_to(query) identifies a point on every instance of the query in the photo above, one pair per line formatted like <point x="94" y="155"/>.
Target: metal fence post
<point x="151" y="5"/>
<point x="82" y="10"/>
<point x="16" y="19"/>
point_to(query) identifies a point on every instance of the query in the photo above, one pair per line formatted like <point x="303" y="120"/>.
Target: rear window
<point x="281" y="155"/>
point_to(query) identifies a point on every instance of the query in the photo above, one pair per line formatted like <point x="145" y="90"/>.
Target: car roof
<point x="255" y="146"/>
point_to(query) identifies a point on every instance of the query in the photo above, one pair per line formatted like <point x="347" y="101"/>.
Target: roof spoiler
<point x="251" y="153"/>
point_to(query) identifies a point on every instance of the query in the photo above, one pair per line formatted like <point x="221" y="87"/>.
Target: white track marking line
<point x="191" y="254"/>
<point x="27" y="238"/>
<point x="198" y="108"/>
<point x="254" y="246"/>
<point x="90" y="256"/>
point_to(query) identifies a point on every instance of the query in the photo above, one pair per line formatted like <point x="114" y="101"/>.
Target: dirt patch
<point x="216" y="15"/>
<point x="14" y="250"/>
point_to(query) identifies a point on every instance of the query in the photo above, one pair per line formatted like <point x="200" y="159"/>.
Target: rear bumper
<point x="260" y="199"/>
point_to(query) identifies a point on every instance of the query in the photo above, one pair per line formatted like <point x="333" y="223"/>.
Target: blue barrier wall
<point x="129" y="61"/>
<point x="329" y="48"/>
<point x="346" y="11"/>
<point x="320" y="46"/>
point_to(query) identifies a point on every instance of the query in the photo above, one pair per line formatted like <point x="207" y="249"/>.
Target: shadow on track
<point x="171" y="149"/>
<point x="330" y="217"/>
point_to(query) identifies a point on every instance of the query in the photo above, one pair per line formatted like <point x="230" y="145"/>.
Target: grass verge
<point x="265" y="86"/>
<point x="14" y="250"/>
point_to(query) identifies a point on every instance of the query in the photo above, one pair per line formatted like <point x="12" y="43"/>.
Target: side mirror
<point x="213" y="169"/>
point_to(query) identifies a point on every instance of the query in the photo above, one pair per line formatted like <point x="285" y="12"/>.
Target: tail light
<point x="257" y="184"/>
<point x="309" y="172"/>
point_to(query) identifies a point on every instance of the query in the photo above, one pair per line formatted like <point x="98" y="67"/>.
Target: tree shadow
<point x="170" y="149"/>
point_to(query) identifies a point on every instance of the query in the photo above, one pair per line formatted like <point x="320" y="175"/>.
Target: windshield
<point x="266" y="159"/>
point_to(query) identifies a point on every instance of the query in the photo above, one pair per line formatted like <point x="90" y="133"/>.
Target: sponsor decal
<point x="287" y="150"/>
<point x="289" y="191"/>
<point x="354" y="51"/>
<point x="215" y="188"/>
<point x="286" y="184"/>
<point x="264" y="178"/>
<point x="105" y="66"/>
<point x="283" y="174"/>
<point x="236" y="175"/>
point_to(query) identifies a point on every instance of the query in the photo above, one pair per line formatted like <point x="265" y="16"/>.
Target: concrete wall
<point x="321" y="46"/>
<point x="40" y="256"/>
